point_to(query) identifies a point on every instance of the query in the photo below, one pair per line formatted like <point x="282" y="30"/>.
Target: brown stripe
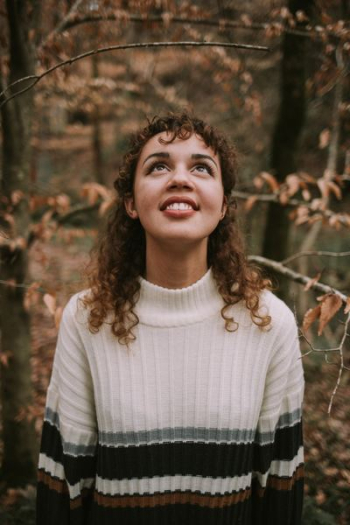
<point x="61" y="487"/>
<point x="53" y="483"/>
<point x="78" y="501"/>
<point x="203" y="500"/>
<point x="278" y="483"/>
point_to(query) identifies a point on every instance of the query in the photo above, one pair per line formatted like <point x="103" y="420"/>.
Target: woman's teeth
<point x="179" y="206"/>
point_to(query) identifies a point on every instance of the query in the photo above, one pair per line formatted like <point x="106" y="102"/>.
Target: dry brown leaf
<point x="58" y="316"/>
<point x="284" y="197"/>
<point x="63" y="203"/>
<point x="306" y="194"/>
<point x="250" y="202"/>
<point x="247" y="21"/>
<point x="271" y="180"/>
<point x="50" y="302"/>
<point x="316" y="204"/>
<point x="301" y="16"/>
<point x="92" y="191"/>
<point x="323" y="187"/>
<point x="105" y="206"/>
<point x="293" y="183"/>
<point x="17" y="196"/>
<point x="32" y="296"/>
<point x="324" y="138"/>
<point x="312" y="282"/>
<point x="310" y="317"/>
<point x="9" y="219"/>
<point x="307" y="177"/>
<point x="347" y="306"/>
<point x="335" y="189"/>
<point x="329" y="307"/>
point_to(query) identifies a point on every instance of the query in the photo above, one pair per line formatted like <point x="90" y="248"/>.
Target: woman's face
<point x="178" y="192"/>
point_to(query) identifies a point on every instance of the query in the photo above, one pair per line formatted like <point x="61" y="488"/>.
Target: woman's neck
<point x="175" y="268"/>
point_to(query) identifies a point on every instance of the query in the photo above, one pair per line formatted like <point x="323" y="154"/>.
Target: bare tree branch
<point x="310" y="31"/>
<point x="319" y="253"/>
<point x="36" y="78"/>
<point x="342" y="366"/>
<point x="63" y="24"/>
<point x="295" y="276"/>
<point x="274" y="197"/>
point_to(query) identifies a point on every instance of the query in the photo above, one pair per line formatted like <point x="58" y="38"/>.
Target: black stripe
<point x="51" y="442"/>
<point x="184" y="514"/>
<point x="168" y="459"/>
<point x="52" y="508"/>
<point x="278" y="507"/>
<point x="75" y="468"/>
<point x="287" y="442"/>
<point x="196" y="459"/>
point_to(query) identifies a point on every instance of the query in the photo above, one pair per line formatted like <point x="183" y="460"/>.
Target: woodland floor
<point x="58" y="268"/>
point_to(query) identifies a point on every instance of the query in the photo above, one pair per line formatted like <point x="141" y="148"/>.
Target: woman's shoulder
<point x="280" y="313"/>
<point x="75" y="309"/>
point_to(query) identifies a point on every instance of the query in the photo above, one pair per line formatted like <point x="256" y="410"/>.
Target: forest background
<point x="64" y="129"/>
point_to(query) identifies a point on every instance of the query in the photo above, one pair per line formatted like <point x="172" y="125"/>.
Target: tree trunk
<point x="97" y="132"/>
<point x="19" y="440"/>
<point x="288" y="128"/>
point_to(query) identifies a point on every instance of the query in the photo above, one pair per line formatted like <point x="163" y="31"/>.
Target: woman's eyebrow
<point x="162" y="154"/>
<point x="201" y="156"/>
<point x="165" y="155"/>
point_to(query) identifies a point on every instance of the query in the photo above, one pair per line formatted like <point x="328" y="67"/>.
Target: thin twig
<point x="319" y="253"/>
<point x="344" y="218"/>
<point x="295" y="276"/>
<point x="223" y="23"/>
<point x="341" y="367"/>
<point x="63" y="24"/>
<point x="145" y="45"/>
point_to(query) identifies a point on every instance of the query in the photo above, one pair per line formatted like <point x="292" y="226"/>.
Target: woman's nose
<point x="180" y="178"/>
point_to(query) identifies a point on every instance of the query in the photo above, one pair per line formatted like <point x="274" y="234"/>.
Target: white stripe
<point x="76" y="490"/>
<point x="51" y="467"/>
<point x="56" y="470"/>
<point x="287" y="468"/>
<point x="158" y="484"/>
<point x="281" y="468"/>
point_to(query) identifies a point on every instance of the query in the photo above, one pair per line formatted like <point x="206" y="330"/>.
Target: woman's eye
<point x="158" y="166"/>
<point x="204" y="168"/>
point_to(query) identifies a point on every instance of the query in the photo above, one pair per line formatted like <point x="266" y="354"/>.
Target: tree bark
<point x="19" y="440"/>
<point x="96" y="131"/>
<point x="288" y="128"/>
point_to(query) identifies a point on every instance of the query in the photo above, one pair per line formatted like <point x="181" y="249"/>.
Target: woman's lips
<point x="179" y="214"/>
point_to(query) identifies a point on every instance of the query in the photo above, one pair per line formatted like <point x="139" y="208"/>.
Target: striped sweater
<point x="191" y="425"/>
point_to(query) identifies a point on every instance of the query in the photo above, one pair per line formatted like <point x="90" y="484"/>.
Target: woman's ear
<point x="130" y="207"/>
<point x="224" y="207"/>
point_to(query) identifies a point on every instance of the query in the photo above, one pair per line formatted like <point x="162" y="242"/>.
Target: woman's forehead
<point x="159" y="142"/>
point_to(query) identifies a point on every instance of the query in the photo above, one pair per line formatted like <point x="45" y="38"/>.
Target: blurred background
<point x="287" y="110"/>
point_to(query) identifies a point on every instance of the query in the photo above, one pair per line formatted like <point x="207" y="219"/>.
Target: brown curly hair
<point x="120" y="255"/>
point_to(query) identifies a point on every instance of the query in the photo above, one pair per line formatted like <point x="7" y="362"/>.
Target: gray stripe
<point x="177" y="433"/>
<point x="52" y="417"/>
<point x="72" y="449"/>
<point x="79" y="450"/>
<point x="289" y="418"/>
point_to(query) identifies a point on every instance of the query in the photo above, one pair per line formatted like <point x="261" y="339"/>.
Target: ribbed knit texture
<point x="191" y="425"/>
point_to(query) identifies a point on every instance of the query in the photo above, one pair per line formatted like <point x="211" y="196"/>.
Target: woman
<point x="177" y="382"/>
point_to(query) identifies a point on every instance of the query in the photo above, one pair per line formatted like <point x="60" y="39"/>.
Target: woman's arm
<point x="278" y="458"/>
<point x="67" y="461"/>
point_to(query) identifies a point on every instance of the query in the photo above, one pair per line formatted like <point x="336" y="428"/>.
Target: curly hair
<point x="119" y="257"/>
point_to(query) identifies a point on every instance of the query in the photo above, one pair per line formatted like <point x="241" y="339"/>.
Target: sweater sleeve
<point x="66" y="471"/>
<point x="277" y="494"/>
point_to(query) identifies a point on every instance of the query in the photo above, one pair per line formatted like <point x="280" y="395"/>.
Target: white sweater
<point x="193" y="424"/>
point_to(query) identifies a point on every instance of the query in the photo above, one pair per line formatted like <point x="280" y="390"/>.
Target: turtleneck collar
<point x="158" y="306"/>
